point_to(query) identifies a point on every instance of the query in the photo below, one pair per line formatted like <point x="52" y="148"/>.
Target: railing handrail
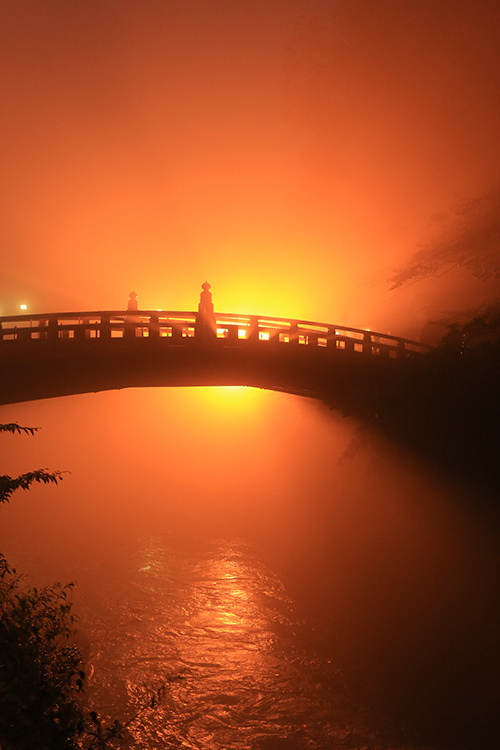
<point x="230" y="319"/>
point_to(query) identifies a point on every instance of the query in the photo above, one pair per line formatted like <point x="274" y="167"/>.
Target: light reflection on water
<point x="397" y="570"/>
<point x="213" y="622"/>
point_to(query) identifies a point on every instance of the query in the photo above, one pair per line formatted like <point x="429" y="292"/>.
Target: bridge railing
<point x="181" y="328"/>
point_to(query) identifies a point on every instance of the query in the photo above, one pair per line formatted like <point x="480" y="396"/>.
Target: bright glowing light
<point x="263" y="336"/>
<point x="23" y="307"/>
<point x="242" y="333"/>
<point x="233" y="398"/>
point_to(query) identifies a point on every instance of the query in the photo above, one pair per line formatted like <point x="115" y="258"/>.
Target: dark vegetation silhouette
<point x="42" y="704"/>
<point x="8" y="485"/>
<point x="445" y="406"/>
<point x="467" y="239"/>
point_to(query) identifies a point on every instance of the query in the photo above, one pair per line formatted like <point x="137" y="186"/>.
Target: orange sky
<point x="293" y="153"/>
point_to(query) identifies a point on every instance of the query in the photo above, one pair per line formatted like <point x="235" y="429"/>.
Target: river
<point x="212" y="621"/>
<point x="351" y="603"/>
<point x="209" y="623"/>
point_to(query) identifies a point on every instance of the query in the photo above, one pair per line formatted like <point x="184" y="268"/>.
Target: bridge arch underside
<point x="30" y="374"/>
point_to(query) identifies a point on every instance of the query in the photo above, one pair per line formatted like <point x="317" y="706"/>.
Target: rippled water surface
<point x="211" y="621"/>
<point x="272" y="580"/>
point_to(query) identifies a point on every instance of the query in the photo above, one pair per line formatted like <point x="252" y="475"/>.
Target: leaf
<point x="14" y="428"/>
<point x="8" y="485"/>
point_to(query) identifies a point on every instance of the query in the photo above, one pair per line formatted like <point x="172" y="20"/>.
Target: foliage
<point x="443" y="406"/>
<point x="8" y="485"/>
<point x="480" y="331"/>
<point x="100" y="736"/>
<point x="41" y="675"/>
<point x="40" y="667"/>
<point x="14" y="428"/>
<point x="469" y="239"/>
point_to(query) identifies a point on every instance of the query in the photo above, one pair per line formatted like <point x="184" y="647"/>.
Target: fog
<point x="326" y="161"/>
<point x="394" y="568"/>
<point x="295" y="154"/>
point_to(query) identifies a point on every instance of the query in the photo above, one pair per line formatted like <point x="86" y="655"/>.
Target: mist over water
<point x="297" y="580"/>
<point x="291" y="578"/>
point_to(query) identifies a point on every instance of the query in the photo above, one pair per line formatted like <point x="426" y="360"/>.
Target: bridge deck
<point x="56" y="354"/>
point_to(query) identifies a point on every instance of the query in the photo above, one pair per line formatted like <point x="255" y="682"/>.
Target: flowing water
<point x="276" y="595"/>
<point x="208" y="624"/>
<point x="209" y="620"/>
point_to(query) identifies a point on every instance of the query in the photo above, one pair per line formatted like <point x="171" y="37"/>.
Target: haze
<point x="292" y="153"/>
<point x="301" y="156"/>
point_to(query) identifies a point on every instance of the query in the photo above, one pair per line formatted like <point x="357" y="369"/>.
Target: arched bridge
<point x="57" y="354"/>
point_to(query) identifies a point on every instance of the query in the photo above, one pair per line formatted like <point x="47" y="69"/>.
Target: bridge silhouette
<point x="57" y="354"/>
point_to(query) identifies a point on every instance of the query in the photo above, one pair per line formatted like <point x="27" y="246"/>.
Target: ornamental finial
<point x="133" y="304"/>
<point x="206" y="305"/>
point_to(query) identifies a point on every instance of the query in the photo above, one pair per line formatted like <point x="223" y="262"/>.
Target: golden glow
<point x="228" y="404"/>
<point x="251" y="181"/>
<point x="228" y="395"/>
<point x="146" y="146"/>
<point x="315" y="328"/>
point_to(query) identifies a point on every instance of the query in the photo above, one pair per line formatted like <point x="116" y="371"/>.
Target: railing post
<point x="132" y="303"/>
<point x="176" y="331"/>
<point x="253" y="328"/>
<point x="52" y="329"/>
<point x="24" y="334"/>
<point x="232" y="333"/>
<point x="331" y="340"/>
<point x="105" y="327"/>
<point x="154" y="327"/>
<point x="205" y="319"/>
<point x="129" y="329"/>
<point x="80" y="331"/>
<point x="293" y="333"/>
